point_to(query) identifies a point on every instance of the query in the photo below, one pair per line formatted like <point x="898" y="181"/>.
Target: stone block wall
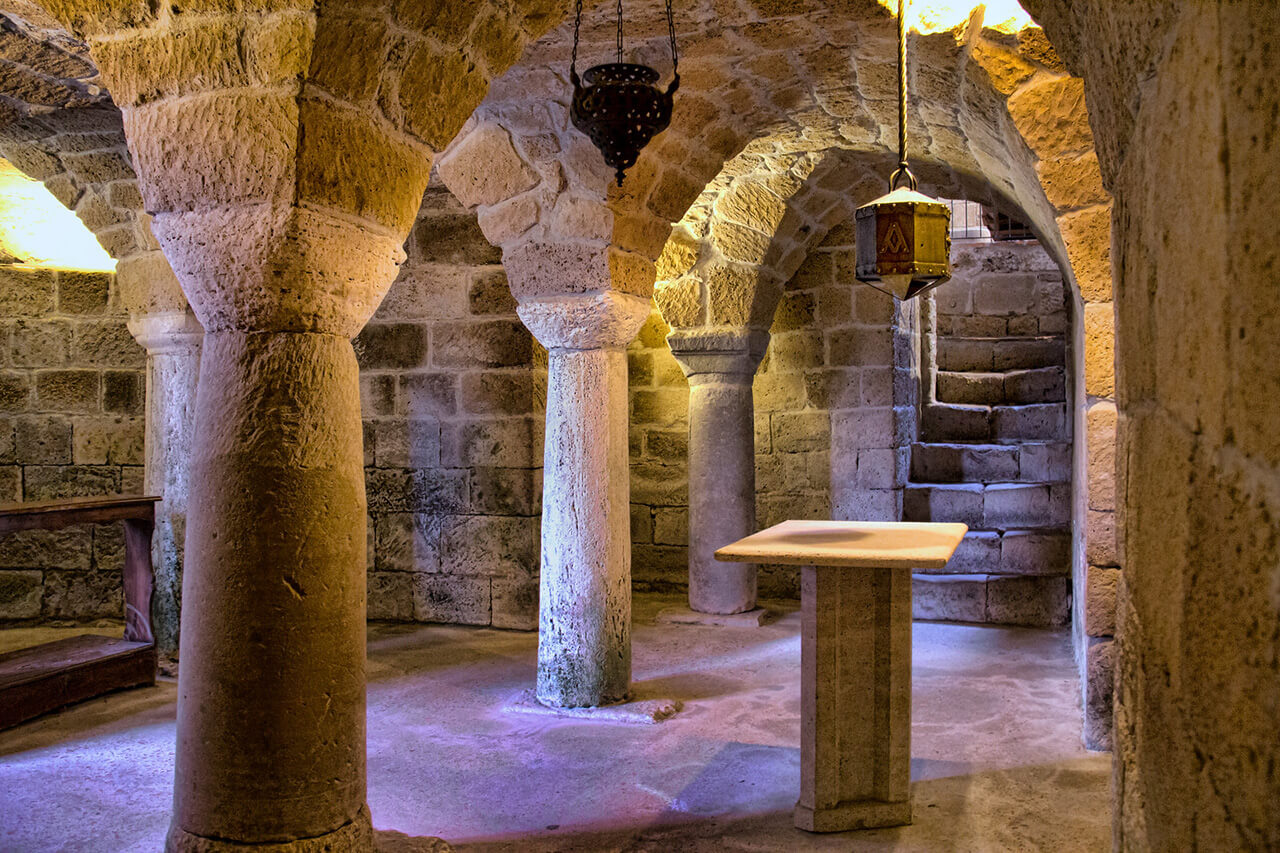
<point x="834" y="418"/>
<point x="1183" y="98"/>
<point x="659" y="446"/>
<point x="452" y="392"/>
<point x="72" y="387"/>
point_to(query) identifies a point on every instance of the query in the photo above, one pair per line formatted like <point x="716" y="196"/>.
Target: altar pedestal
<point x="855" y="591"/>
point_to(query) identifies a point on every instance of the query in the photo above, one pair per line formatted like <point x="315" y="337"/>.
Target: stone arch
<point x="719" y="337"/>
<point x="536" y="181"/>
<point x="1038" y="156"/>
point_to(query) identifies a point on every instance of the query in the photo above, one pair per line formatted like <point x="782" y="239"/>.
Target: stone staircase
<point x="995" y="453"/>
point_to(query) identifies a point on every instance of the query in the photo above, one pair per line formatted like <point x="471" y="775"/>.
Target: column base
<point x="355" y="837"/>
<point x="635" y="711"/>
<point x="853" y="814"/>
<point x="687" y="616"/>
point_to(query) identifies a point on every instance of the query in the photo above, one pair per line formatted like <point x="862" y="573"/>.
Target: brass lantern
<point x="903" y="238"/>
<point x="903" y="243"/>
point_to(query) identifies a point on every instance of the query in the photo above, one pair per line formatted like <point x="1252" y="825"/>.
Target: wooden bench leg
<point x="138" y="580"/>
<point x="855" y="754"/>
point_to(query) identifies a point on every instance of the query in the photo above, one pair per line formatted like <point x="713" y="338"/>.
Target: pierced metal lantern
<point x="903" y="243"/>
<point x="621" y="107"/>
<point x="903" y="238"/>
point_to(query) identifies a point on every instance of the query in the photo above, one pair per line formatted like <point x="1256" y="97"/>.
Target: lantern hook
<point x="902" y="172"/>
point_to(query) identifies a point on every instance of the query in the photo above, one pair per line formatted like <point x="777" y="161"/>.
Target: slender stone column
<point x="172" y="340"/>
<point x="584" y="625"/>
<point x="722" y="462"/>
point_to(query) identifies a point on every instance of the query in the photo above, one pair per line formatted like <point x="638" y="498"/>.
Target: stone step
<point x="1015" y="387"/>
<point x="1033" y="601"/>
<point x="993" y="506"/>
<point x="950" y="422"/>
<point x="1036" y="462"/>
<point x="1010" y="552"/>
<point x="1035" y="422"/>
<point x="1000" y="354"/>
<point x="1037" y="385"/>
<point x="970" y="388"/>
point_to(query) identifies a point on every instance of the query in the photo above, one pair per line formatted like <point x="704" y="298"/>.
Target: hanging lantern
<point x="903" y="238"/>
<point x="621" y="107"/>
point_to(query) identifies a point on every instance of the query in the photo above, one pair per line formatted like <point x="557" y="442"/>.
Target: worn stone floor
<point x="997" y="761"/>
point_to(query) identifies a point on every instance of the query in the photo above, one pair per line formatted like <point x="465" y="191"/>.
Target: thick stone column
<point x="720" y="366"/>
<point x="271" y="708"/>
<point x="271" y="690"/>
<point x="584" y="625"/>
<point x="172" y="341"/>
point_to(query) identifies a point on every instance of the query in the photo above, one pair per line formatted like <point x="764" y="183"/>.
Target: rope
<point x="902" y="85"/>
<point x="619" y="30"/>
<point x="903" y="170"/>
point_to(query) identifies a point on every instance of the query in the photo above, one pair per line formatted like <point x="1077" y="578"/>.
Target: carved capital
<point x="718" y="355"/>
<point x="585" y="321"/>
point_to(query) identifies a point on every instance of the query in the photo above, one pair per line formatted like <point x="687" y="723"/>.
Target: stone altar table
<point x="855" y="593"/>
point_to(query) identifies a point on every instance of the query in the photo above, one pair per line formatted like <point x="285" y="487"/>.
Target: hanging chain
<point x="577" y="25"/>
<point x="671" y="31"/>
<point x="619" y="30"/>
<point x="577" y="28"/>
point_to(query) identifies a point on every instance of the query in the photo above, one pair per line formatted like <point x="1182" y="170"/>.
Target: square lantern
<point x="903" y="243"/>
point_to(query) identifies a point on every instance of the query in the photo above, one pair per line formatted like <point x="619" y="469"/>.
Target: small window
<point x="973" y="222"/>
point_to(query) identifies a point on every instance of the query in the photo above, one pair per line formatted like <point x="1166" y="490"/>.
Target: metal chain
<point x="577" y="28"/>
<point x="577" y="25"/>
<point x="671" y="31"/>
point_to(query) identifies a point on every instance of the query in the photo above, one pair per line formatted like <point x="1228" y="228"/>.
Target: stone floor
<point x="997" y="762"/>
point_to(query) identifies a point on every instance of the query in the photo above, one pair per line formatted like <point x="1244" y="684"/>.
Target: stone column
<point x="172" y="341"/>
<point x="271" y="690"/>
<point x="722" y="462"/>
<point x="584" y="624"/>
<point x="161" y="320"/>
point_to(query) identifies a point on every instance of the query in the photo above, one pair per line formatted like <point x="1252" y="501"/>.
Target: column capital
<point x="718" y="354"/>
<point x="585" y="321"/>
<point x="280" y="268"/>
<point x="167" y="331"/>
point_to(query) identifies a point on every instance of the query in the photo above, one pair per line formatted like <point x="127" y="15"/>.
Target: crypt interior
<point x="428" y="429"/>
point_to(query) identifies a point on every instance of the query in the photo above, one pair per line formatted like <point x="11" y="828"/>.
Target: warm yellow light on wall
<point x="935" y="16"/>
<point x="38" y="231"/>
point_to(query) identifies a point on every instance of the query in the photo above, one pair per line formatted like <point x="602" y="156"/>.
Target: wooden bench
<point x="42" y="678"/>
